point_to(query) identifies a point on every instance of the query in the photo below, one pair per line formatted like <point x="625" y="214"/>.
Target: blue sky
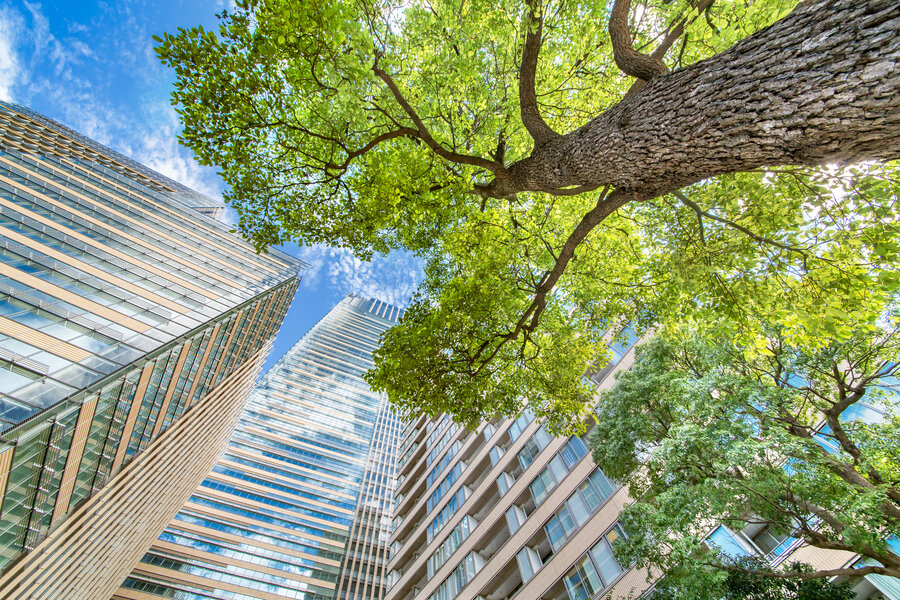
<point x="91" y="66"/>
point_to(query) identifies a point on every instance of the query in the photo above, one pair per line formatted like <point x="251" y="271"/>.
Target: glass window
<point x="560" y="527"/>
<point x="596" y="489"/>
<point x="519" y="425"/>
<point x="528" y="453"/>
<point x="555" y="533"/>
<point x="541" y="486"/>
<point x="504" y="482"/>
<point x="12" y="378"/>
<point x="515" y="516"/>
<point x="578" y="508"/>
<point x="723" y="539"/>
<point x="541" y="437"/>
<point x="573" y="451"/>
<point x="607" y="565"/>
<point x="582" y="582"/>
<point x="558" y="468"/>
<point x="529" y="563"/>
<point x="625" y="340"/>
<point x="862" y="412"/>
<point x="445" y="485"/>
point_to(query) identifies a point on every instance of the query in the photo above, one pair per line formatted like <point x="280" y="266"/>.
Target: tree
<point x="747" y="584"/>
<point x="704" y="433"/>
<point x="561" y="167"/>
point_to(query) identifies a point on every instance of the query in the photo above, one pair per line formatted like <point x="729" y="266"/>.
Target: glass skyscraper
<point x="132" y="326"/>
<point x="299" y="505"/>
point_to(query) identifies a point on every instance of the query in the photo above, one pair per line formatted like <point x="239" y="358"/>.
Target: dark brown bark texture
<point x="821" y="85"/>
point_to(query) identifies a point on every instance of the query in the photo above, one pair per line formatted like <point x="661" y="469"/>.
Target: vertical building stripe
<point x="132" y="414"/>
<point x="173" y="383"/>
<point x="6" y="457"/>
<point x="73" y="460"/>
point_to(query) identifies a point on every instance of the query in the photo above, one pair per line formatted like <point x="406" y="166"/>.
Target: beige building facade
<point x="508" y="512"/>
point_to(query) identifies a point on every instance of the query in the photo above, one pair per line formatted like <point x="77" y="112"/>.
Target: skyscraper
<point x="132" y="326"/>
<point x="299" y="504"/>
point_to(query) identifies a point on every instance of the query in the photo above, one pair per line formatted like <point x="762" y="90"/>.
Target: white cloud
<point x="229" y="5"/>
<point x="61" y="54"/>
<point x="40" y="30"/>
<point x="11" y="72"/>
<point x="392" y="278"/>
<point x="78" y="28"/>
<point x="157" y="147"/>
<point x="81" y="76"/>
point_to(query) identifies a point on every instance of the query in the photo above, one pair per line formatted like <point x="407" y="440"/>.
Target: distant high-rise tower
<point x="299" y="505"/>
<point x="132" y="327"/>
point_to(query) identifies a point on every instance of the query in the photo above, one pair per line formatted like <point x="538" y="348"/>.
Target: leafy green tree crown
<point x="561" y="167"/>
<point x="801" y="442"/>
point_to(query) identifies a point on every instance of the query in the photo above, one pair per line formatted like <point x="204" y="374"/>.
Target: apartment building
<point x="508" y="512"/>
<point x="299" y="505"/>
<point x="132" y="328"/>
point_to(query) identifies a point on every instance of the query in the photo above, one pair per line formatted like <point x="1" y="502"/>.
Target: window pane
<point x="582" y="582"/>
<point x="578" y="508"/>
<point x="606" y="563"/>
<point x="725" y="541"/>
<point x="555" y="533"/>
<point x="528" y="453"/>
<point x="566" y="521"/>
<point x="541" y="486"/>
<point x="603" y="486"/>
<point x="573" y="451"/>
<point x="541" y="438"/>
<point x="558" y="469"/>
<point x="596" y="489"/>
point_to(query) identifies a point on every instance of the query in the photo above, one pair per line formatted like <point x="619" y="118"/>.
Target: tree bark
<point x="821" y="85"/>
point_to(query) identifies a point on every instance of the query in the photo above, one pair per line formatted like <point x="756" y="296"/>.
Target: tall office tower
<point x="132" y="327"/>
<point x="299" y="505"/>
<point x="508" y="512"/>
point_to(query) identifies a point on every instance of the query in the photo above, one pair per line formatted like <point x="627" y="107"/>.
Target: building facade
<point x="508" y="512"/>
<point x="132" y="326"/>
<point x="299" y="504"/>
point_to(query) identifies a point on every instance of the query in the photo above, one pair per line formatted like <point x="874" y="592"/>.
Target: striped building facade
<point x="129" y="319"/>
<point x="299" y="504"/>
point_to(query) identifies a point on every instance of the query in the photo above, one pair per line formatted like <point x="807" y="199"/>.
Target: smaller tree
<point x="746" y="583"/>
<point x="800" y="440"/>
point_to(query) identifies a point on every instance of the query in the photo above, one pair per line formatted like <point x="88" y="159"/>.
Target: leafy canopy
<point x="748" y="584"/>
<point x="704" y="432"/>
<point x="375" y="125"/>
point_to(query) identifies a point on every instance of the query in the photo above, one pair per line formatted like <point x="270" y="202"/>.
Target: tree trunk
<point x="821" y="85"/>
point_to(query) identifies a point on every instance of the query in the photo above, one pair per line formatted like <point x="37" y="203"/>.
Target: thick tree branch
<point x="528" y="322"/>
<point x="628" y="59"/>
<point x="848" y="571"/>
<point x="389" y="135"/>
<point x="678" y="30"/>
<point x="581" y="189"/>
<point x="821" y="540"/>
<point x="818" y="86"/>
<point x="531" y="116"/>
<point x="827" y="516"/>
<point x="674" y="32"/>
<point x="423" y="133"/>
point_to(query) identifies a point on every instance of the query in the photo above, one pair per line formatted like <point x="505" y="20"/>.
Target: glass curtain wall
<point x="121" y="305"/>
<point x="304" y="490"/>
